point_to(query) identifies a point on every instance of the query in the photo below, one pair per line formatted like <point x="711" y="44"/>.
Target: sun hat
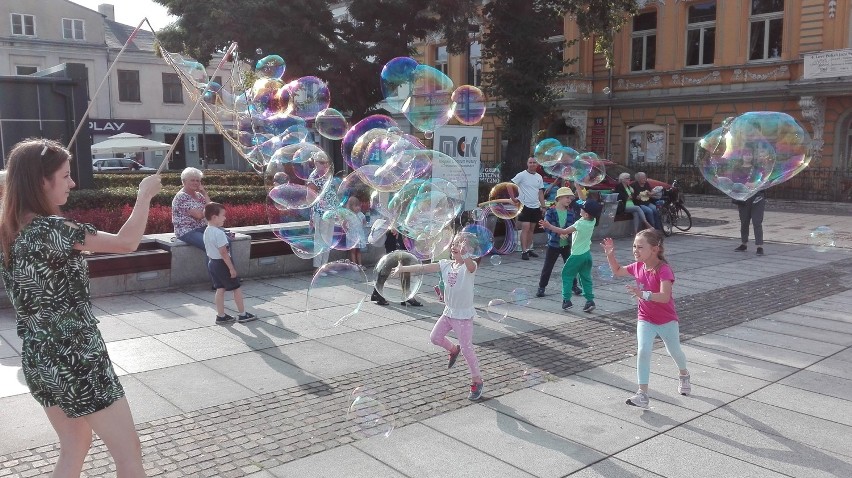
<point x="564" y="191"/>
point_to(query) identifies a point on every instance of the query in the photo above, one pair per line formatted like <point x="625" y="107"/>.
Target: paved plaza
<point x="768" y="340"/>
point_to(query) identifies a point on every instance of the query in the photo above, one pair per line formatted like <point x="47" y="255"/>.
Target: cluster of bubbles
<point x="396" y="183"/>
<point x="753" y="152"/>
<point x="564" y="162"/>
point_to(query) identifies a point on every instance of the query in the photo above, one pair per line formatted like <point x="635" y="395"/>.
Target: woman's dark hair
<point x="29" y="164"/>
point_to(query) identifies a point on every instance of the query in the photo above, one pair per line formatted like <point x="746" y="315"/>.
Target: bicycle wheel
<point x="668" y="221"/>
<point x="684" y="219"/>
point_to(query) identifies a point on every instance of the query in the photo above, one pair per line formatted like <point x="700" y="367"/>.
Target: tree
<point x="524" y="60"/>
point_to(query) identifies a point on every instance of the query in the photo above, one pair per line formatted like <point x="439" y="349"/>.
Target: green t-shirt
<point x="581" y="239"/>
<point x="562" y="216"/>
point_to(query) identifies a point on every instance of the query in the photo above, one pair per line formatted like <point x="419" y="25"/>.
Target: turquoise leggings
<point x="646" y="332"/>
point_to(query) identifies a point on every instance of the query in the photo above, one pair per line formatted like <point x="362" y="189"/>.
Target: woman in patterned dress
<point x="64" y="358"/>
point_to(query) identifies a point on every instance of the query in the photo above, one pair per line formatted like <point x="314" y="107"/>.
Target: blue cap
<point x="592" y="207"/>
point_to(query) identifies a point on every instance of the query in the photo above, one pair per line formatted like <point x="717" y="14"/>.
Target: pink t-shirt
<point x="656" y="313"/>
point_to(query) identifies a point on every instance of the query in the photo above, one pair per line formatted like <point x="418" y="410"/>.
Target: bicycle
<point x="673" y="213"/>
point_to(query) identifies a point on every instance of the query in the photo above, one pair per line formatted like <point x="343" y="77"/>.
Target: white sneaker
<point x="683" y="386"/>
<point x="639" y="400"/>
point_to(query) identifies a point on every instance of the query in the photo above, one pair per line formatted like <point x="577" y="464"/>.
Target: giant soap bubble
<point x="753" y="151"/>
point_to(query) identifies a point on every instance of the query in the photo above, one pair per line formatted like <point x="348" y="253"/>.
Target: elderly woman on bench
<point x="625" y="202"/>
<point x="188" y="208"/>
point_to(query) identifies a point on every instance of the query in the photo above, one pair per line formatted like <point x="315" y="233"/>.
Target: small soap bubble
<point x="536" y="378"/>
<point x="370" y="417"/>
<point x="822" y="239"/>
<point x="520" y="297"/>
<point x="604" y="273"/>
<point x="495" y="259"/>
<point x="497" y="310"/>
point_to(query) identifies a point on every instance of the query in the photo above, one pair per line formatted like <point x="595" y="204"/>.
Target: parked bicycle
<point x="673" y="213"/>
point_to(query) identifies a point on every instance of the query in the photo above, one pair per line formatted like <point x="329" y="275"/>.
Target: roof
<point x="117" y="34"/>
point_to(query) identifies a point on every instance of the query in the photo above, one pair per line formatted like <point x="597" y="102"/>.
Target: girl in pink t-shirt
<point x="657" y="316"/>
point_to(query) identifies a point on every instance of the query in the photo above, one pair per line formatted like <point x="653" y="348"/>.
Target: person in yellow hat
<point x="560" y="215"/>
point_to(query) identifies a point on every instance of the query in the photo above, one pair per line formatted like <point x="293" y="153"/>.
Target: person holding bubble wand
<point x="458" y="275"/>
<point x="656" y="315"/>
<point x="63" y="355"/>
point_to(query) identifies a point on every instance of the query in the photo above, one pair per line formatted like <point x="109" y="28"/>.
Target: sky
<point x="131" y="12"/>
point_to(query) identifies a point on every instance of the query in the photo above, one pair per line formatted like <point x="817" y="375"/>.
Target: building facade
<point x="681" y="67"/>
<point x="142" y="94"/>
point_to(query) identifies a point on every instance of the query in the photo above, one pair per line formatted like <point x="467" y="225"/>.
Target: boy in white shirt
<point x="220" y="266"/>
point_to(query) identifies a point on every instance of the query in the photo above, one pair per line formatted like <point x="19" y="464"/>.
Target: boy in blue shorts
<point x="221" y="267"/>
<point x="580" y="261"/>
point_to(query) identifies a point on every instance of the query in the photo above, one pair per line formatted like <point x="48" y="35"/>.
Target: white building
<point x="142" y="95"/>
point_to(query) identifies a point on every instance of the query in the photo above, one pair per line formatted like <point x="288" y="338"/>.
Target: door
<point x="178" y="161"/>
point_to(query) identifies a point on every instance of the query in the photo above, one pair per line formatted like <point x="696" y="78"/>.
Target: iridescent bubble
<point x="308" y="96"/>
<point x="428" y="106"/>
<point x="397" y="78"/>
<point x="359" y="129"/>
<point x="520" y="297"/>
<point x="192" y="68"/>
<point x="331" y="124"/>
<point x="259" y="51"/>
<point x="336" y="293"/>
<point x="604" y="273"/>
<point x="402" y="287"/>
<point x="822" y="239"/>
<point x="287" y="182"/>
<point x="468" y="104"/>
<point x="543" y="148"/>
<point x="264" y="96"/>
<point x="369" y="417"/>
<point x="536" y="378"/>
<point x="497" y="310"/>
<point x="429" y="247"/>
<point x="596" y="173"/>
<point x="503" y="200"/>
<point x="478" y="214"/>
<point x="271" y="66"/>
<point x="566" y="164"/>
<point x="495" y="259"/>
<point x="752" y="152"/>
<point x="477" y="239"/>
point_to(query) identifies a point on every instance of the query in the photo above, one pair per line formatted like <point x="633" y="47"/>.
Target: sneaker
<point x="382" y="301"/>
<point x="540" y="292"/>
<point x="741" y="248"/>
<point x="525" y="256"/>
<point x="247" y="317"/>
<point x="577" y="290"/>
<point x="453" y="357"/>
<point x="414" y="302"/>
<point x="683" y="386"/>
<point x="590" y="306"/>
<point x="566" y="304"/>
<point x="760" y="251"/>
<point x="475" y="391"/>
<point x="227" y="319"/>
<point x="639" y="400"/>
<point x="531" y="253"/>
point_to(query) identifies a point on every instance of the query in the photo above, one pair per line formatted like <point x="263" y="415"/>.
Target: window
<point x="474" y="66"/>
<point x="442" y="59"/>
<point x="23" y="24"/>
<point x="701" y="34"/>
<point x="212" y="146"/>
<point x="644" y="46"/>
<point x="128" y="85"/>
<point x="767" y="29"/>
<point x="172" y="92"/>
<point x="72" y="29"/>
<point x="25" y="70"/>
<point x="691" y="133"/>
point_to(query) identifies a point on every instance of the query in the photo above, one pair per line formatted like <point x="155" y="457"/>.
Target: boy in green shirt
<point x="580" y="261"/>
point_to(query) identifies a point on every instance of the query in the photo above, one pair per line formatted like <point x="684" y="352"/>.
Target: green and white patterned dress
<point x="64" y="357"/>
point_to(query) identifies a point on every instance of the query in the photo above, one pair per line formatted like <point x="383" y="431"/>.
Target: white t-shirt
<point x="528" y="186"/>
<point x="214" y="238"/>
<point x="458" y="290"/>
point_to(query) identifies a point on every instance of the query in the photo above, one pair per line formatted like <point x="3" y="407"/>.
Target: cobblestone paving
<point x="240" y="438"/>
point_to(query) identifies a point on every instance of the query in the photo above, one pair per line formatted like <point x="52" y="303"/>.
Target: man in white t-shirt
<point x="531" y="194"/>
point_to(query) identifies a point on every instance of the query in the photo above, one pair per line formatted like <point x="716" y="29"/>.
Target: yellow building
<point x="681" y="67"/>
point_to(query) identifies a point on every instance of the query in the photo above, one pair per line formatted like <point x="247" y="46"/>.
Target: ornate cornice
<point x="746" y="75"/>
<point x="629" y="85"/>
<point x="565" y="87"/>
<point x="813" y="110"/>
<point x="683" y="80"/>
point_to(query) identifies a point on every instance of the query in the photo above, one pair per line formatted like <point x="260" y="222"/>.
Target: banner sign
<point x="462" y="143"/>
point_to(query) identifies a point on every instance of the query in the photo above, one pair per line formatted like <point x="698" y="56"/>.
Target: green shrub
<point x="115" y="197"/>
<point x="211" y="178"/>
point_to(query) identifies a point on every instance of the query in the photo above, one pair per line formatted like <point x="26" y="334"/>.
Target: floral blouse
<point x="182" y="221"/>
